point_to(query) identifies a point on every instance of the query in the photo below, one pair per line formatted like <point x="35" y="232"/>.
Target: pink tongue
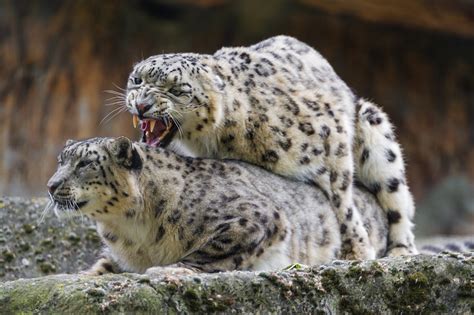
<point x="153" y="138"/>
<point x="144" y="125"/>
<point x="153" y="142"/>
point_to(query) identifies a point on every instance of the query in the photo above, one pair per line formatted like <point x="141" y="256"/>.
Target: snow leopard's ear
<point x="69" y="142"/>
<point x="124" y="153"/>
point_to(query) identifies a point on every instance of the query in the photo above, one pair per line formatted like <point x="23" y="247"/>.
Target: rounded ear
<point x="124" y="153"/>
<point x="121" y="148"/>
<point x="69" y="142"/>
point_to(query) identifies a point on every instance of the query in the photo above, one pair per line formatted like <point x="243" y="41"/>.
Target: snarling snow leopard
<point x="280" y="105"/>
<point x="155" y="208"/>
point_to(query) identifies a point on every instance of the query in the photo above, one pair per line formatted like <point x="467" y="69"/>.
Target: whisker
<point x="115" y="103"/>
<point x="118" y="87"/>
<point x="76" y="211"/>
<point x="115" y="93"/>
<point x="115" y="98"/>
<point x="56" y="211"/>
<point x="114" y="113"/>
<point x="46" y="209"/>
<point x="53" y="205"/>
<point x="181" y="112"/>
<point x="178" y="113"/>
<point x="117" y="108"/>
<point x="67" y="210"/>
<point x="178" y="125"/>
<point x="180" y="130"/>
<point x="110" y="114"/>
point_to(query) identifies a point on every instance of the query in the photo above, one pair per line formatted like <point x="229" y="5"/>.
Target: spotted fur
<point x="154" y="208"/>
<point x="280" y="105"/>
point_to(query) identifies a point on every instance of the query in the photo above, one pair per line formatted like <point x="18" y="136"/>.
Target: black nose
<point x="52" y="186"/>
<point x="142" y="109"/>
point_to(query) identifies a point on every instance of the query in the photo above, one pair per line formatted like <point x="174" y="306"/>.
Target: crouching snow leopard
<point x="279" y="104"/>
<point x="156" y="208"/>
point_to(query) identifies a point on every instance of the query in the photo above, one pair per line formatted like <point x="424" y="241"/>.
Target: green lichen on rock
<point x="420" y="284"/>
<point x="8" y="255"/>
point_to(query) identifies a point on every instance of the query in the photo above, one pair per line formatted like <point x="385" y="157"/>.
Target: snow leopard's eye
<point x="84" y="163"/>
<point x="175" y="91"/>
<point x="137" y="81"/>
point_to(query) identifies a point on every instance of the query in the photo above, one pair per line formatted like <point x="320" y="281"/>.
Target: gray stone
<point x="419" y="284"/>
<point x="32" y="246"/>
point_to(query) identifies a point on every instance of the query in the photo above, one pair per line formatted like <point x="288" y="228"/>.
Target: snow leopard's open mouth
<point x="156" y="132"/>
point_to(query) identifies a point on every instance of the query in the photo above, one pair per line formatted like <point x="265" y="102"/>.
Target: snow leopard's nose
<point x="53" y="186"/>
<point x="142" y="109"/>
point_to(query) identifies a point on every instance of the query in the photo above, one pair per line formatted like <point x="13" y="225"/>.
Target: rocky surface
<point x="35" y="243"/>
<point x="420" y="284"/>
<point x="32" y="246"/>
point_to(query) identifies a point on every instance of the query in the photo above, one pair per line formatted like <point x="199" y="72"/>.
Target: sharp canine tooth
<point x="147" y="133"/>
<point x="152" y="125"/>
<point x="135" y="121"/>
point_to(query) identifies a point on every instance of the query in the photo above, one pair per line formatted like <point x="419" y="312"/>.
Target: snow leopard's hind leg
<point x="334" y="174"/>
<point x="380" y="167"/>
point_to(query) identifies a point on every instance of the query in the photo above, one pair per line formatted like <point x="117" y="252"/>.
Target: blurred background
<point x="413" y="57"/>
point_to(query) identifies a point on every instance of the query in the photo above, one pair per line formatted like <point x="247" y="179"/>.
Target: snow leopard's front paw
<point x="402" y="251"/>
<point x="170" y="270"/>
<point x="357" y="247"/>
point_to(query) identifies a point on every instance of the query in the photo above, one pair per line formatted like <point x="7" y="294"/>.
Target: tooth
<point x="147" y="133"/>
<point x="135" y="121"/>
<point x="152" y="125"/>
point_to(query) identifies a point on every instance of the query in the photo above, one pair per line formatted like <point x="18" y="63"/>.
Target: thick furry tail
<point x="379" y="166"/>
